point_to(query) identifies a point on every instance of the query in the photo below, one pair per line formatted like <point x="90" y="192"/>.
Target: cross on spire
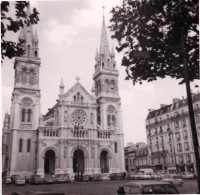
<point x="103" y="10"/>
<point x="77" y="79"/>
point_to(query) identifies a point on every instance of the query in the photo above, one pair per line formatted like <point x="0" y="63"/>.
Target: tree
<point x="11" y="49"/>
<point x="156" y="26"/>
<point x="169" y="31"/>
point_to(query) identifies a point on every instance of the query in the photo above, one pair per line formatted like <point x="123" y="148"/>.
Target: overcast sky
<point x="69" y="33"/>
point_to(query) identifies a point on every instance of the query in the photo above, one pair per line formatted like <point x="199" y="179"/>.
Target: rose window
<point x="111" y="109"/>
<point x="78" y="117"/>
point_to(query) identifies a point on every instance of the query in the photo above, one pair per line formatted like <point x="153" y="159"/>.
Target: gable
<point x="78" y="91"/>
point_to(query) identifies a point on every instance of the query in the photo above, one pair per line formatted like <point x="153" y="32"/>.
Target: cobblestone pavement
<point x="87" y="188"/>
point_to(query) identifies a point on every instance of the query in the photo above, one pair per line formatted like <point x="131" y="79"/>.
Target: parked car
<point x="20" y="180"/>
<point x="140" y="175"/>
<point x="8" y="180"/>
<point x="176" y="182"/>
<point x="117" y="176"/>
<point x="155" y="176"/>
<point x="13" y="178"/>
<point x="37" y="179"/>
<point x="95" y="177"/>
<point x="187" y="176"/>
<point x="147" y="187"/>
<point x="61" y="178"/>
<point x="48" y="179"/>
<point x="105" y="177"/>
<point x="28" y="179"/>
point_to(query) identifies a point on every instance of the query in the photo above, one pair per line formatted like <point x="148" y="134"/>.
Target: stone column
<point x="40" y="159"/>
<point x="14" y="152"/>
<point x="62" y="156"/>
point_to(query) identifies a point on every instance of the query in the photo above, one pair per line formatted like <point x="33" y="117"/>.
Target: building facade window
<point x="181" y="159"/>
<point x="183" y="123"/>
<point x="116" y="147"/>
<point x="185" y="134"/>
<point x="179" y="147"/>
<point x="176" y="124"/>
<point x="186" y="145"/>
<point x="178" y="137"/>
<point x="28" y="145"/>
<point x="20" y="145"/>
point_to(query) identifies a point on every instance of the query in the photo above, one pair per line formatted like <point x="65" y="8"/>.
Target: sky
<point x="69" y="33"/>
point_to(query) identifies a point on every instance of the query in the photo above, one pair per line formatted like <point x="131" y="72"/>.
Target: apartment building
<point x="136" y="156"/>
<point x="169" y="137"/>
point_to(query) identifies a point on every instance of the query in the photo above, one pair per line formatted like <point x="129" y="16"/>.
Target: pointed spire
<point x="97" y="55"/>
<point x="36" y="36"/>
<point x="62" y="87"/>
<point x="112" y="52"/>
<point x="104" y="46"/>
<point x="61" y="83"/>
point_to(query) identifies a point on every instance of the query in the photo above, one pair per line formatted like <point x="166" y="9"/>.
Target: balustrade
<point x="104" y="134"/>
<point x="49" y="131"/>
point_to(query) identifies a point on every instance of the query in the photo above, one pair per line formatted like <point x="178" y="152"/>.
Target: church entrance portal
<point x="104" y="162"/>
<point x="78" y="161"/>
<point x="49" y="163"/>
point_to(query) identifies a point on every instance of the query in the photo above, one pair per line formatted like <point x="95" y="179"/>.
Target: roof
<point x="147" y="182"/>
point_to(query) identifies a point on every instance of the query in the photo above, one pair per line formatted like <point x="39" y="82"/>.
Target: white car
<point x="187" y="176"/>
<point x="20" y="180"/>
<point x="139" y="175"/>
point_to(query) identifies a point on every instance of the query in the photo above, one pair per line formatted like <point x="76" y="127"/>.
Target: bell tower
<point x="109" y="116"/>
<point x="25" y="107"/>
<point x="106" y="83"/>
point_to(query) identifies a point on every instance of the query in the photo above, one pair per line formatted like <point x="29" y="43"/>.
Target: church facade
<point x="81" y="133"/>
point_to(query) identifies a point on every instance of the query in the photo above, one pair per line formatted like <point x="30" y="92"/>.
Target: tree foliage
<point x="157" y="26"/>
<point x="14" y="23"/>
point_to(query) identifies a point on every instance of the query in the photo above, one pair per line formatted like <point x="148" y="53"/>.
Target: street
<point x="87" y="188"/>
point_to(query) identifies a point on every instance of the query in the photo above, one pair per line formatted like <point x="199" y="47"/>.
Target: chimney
<point x="175" y="100"/>
<point x="162" y="105"/>
<point x="150" y="110"/>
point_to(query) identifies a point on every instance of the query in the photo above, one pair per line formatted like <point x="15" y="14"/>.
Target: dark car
<point x="147" y="187"/>
<point x="117" y="176"/>
<point x="37" y="179"/>
<point x="13" y="178"/>
<point x="48" y="179"/>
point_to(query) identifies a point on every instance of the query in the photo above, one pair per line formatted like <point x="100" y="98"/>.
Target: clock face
<point x="78" y="117"/>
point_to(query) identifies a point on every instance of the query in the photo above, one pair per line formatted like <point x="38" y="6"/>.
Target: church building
<point x="81" y="133"/>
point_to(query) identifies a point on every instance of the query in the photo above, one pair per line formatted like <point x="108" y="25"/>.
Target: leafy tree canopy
<point x="157" y="26"/>
<point x="8" y="23"/>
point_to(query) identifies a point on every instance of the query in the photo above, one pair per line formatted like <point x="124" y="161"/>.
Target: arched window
<point x="81" y="98"/>
<point x="112" y="87"/>
<point x="114" y="120"/>
<point x="78" y="97"/>
<point x="24" y="76"/>
<point x="74" y="98"/>
<point x="107" y="85"/>
<point x="31" y="76"/>
<point x="23" y="113"/>
<point x="20" y="145"/>
<point x="29" y="115"/>
<point x="28" y="145"/>
<point x="36" y="53"/>
<point x="108" y="120"/>
<point x="28" y="50"/>
<point x="103" y="64"/>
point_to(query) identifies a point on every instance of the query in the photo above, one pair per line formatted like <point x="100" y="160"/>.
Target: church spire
<point x="30" y="38"/>
<point x="104" y="46"/>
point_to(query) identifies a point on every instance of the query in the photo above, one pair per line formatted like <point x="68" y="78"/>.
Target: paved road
<point x="87" y="188"/>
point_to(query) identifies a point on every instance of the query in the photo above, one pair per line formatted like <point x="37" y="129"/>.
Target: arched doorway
<point x="78" y="161"/>
<point x="104" y="164"/>
<point x="49" y="162"/>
